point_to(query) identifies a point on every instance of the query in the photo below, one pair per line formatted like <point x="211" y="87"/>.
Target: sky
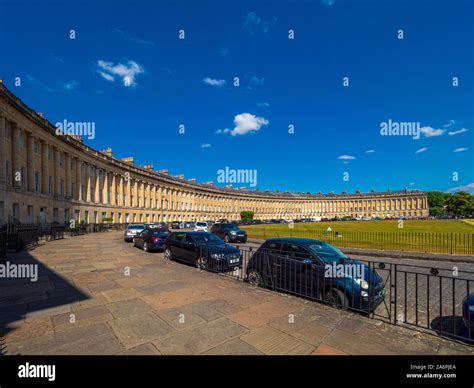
<point x="296" y="91"/>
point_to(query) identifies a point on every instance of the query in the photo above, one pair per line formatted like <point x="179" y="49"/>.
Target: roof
<point x="296" y="240"/>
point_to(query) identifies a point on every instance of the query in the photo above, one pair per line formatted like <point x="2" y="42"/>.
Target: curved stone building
<point x="46" y="177"/>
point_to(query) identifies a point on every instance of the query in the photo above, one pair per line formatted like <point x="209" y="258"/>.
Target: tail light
<point x="155" y="239"/>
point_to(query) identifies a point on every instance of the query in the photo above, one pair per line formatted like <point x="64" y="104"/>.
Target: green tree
<point x="437" y="201"/>
<point x="461" y="204"/>
<point x="246" y="215"/>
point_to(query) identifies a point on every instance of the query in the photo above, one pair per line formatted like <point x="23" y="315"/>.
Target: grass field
<point x="437" y="236"/>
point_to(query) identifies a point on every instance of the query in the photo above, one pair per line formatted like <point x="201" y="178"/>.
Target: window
<point x="50" y="184"/>
<point x="37" y="181"/>
<point x="8" y="130"/>
<point x="22" y="140"/>
<point x="49" y="152"/>
<point x="83" y="192"/>
<point x="30" y="214"/>
<point x="61" y="159"/>
<point x="8" y="171"/>
<point x="72" y="164"/>
<point x="37" y="148"/>
<point x="294" y="251"/>
<point x="55" y="214"/>
<point x="61" y="188"/>
<point x="23" y="178"/>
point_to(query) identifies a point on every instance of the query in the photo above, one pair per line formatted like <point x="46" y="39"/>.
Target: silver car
<point x="132" y="230"/>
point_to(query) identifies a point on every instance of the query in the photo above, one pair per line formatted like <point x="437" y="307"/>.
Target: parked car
<point x="189" y="224"/>
<point x="468" y="313"/>
<point x="229" y="232"/>
<point x="201" y="226"/>
<point x="204" y="250"/>
<point x="132" y="230"/>
<point x="151" y="239"/>
<point x="175" y="225"/>
<point x="307" y="267"/>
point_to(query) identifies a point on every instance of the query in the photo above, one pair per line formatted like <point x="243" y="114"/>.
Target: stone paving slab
<point x="142" y="312"/>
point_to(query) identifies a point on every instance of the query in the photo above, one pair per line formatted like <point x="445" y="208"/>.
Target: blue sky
<point x="128" y="72"/>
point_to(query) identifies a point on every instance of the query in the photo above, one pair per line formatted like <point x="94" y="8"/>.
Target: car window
<point x="207" y="238"/>
<point x="179" y="237"/>
<point x="294" y="251"/>
<point x="146" y="232"/>
<point x="161" y="232"/>
<point x="136" y="227"/>
<point x="273" y="247"/>
<point x="327" y="252"/>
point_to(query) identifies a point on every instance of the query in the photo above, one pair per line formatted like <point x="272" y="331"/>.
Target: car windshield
<point x="327" y="252"/>
<point x="201" y="224"/>
<point x="161" y="232"/>
<point x="230" y="226"/>
<point x="136" y="227"/>
<point x="207" y="238"/>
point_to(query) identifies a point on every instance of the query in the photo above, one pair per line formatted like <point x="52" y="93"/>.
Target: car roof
<point x="296" y="240"/>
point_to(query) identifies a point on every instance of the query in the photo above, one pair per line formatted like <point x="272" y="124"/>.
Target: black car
<point x="204" y="250"/>
<point x="229" y="232"/>
<point x="316" y="269"/>
<point x="151" y="239"/>
<point x="175" y="225"/>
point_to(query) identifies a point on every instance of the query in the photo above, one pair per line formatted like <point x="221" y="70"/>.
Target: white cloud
<point x="214" y="82"/>
<point x="431" y="132"/>
<point x="263" y="104"/>
<point x="69" y="85"/>
<point x="328" y="3"/>
<point x="225" y="130"/>
<point x="134" y="39"/>
<point x="457" y="132"/>
<point x="247" y="123"/>
<point x="346" y="157"/>
<point x="42" y="85"/>
<point x="421" y="150"/>
<point x="450" y="124"/>
<point x="126" y="72"/>
<point x="224" y="51"/>
<point x="254" y="24"/>
<point x="469" y="188"/>
<point x="461" y="149"/>
<point x="206" y="145"/>
<point x="369" y="151"/>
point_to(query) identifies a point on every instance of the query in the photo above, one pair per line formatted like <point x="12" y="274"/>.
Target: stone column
<point x="16" y="153"/>
<point x="87" y="175"/>
<point x="30" y="164"/>
<point x="113" y="189"/>
<point x="97" y="187"/>
<point x="105" y="190"/>
<point x="67" y="178"/>
<point x="2" y="151"/>
<point x="56" y="178"/>
<point x="44" y="167"/>
<point x="78" y="179"/>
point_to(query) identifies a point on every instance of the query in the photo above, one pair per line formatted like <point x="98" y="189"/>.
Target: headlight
<point x="471" y="308"/>
<point x="362" y="283"/>
<point x="233" y="232"/>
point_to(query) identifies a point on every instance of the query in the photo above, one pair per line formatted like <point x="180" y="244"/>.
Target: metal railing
<point x="425" y="298"/>
<point x="447" y="243"/>
<point x="3" y="242"/>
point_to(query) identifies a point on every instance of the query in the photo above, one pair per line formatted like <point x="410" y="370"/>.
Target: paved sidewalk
<point x="98" y="295"/>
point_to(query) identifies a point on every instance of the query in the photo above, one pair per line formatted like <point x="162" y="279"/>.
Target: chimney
<point x="148" y="167"/>
<point x="229" y="186"/>
<point x="107" y="151"/>
<point x="165" y="172"/>
<point x="210" y="183"/>
<point x="193" y="180"/>
<point x="128" y="159"/>
<point x="179" y="176"/>
<point x="76" y="137"/>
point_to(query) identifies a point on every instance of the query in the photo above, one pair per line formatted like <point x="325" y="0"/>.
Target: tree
<point x="437" y="201"/>
<point x="246" y="215"/>
<point x="461" y="204"/>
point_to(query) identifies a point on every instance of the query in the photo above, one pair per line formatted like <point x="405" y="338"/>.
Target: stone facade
<point x="49" y="178"/>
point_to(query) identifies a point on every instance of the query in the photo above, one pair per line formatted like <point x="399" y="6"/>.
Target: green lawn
<point x="438" y="236"/>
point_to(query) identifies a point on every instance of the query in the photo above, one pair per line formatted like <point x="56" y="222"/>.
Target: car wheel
<point x="255" y="278"/>
<point x="336" y="298"/>
<point x="145" y="246"/>
<point x="168" y="254"/>
<point x="226" y="238"/>
<point x="201" y="262"/>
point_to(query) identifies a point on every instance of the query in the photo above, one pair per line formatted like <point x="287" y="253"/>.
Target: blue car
<point x="468" y="313"/>
<point x="316" y="269"/>
<point x="151" y="239"/>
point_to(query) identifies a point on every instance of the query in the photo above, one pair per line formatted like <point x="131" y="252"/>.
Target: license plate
<point x="232" y="261"/>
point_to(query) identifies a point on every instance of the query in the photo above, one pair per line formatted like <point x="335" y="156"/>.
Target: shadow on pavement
<point x="20" y="297"/>
<point x="452" y="327"/>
